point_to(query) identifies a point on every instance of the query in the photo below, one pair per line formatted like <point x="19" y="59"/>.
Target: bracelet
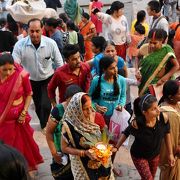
<point x="23" y="113"/>
<point x="82" y="153"/>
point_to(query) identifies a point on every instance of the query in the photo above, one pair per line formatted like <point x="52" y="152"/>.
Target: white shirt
<point x="160" y="24"/>
<point x="117" y="29"/>
<point x="39" y="63"/>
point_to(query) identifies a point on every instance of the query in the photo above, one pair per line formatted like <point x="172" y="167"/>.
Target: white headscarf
<point x="74" y="115"/>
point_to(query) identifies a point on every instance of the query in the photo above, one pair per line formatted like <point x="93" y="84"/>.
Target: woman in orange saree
<point x="88" y="30"/>
<point x="15" y="97"/>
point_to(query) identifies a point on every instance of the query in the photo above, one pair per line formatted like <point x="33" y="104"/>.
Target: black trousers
<point x="41" y="100"/>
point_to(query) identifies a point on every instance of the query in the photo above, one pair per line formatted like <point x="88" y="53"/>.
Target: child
<point x="132" y="50"/>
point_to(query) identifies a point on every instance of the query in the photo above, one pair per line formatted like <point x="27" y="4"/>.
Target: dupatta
<point x="14" y="82"/>
<point x="152" y="64"/>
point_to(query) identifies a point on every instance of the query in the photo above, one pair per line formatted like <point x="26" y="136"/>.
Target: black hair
<point x="104" y="63"/>
<point x="12" y="25"/>
<point x="71" y="90"/>
<point x="158" y="34"/>
<point x="142" y="104"/>
<point x="109" y="42"/>
<point x="64" y="17"/>
<point x="155" y="6"/>
<point x="70" y="25"/>
<point x="108" y="11"/>
<point x="86" y="15"/>
<point x="115" y="6"/>
<point x="59" y="21"/>
<point x="12" y="164"/>
<point x="99" y="42"/>
<point x="6" y="57"/>
<point x="70" y="49"/>
<point x="140" y="29"/>
<point x="170" y="88"/>
<point x="33" y="20"/>
<point x="2" y="22"/>
<point x="52" y="22"/>
<point x="140" y="17"/>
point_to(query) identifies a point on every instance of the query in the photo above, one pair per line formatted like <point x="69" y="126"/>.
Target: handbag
<point x="118" y="123"/>
<point x="61" y="171"/>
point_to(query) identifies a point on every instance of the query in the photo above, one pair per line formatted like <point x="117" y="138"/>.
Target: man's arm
<point x="17" y="53"/>
<point x="53" y="84"/>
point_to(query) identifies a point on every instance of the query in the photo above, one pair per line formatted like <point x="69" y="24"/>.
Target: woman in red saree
<point x="15" y="97"/>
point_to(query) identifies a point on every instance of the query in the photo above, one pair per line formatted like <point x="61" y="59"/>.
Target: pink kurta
<point x="20" y="136"/>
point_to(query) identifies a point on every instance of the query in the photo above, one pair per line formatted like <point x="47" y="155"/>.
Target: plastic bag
<point x="24" y="10"/>
<point x="118" y="123"/>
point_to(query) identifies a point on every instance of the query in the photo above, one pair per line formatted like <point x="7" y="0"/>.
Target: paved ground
<point x="122" y="161"/>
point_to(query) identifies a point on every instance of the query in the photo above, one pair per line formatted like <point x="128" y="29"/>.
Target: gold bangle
<point x="82" y="153"/>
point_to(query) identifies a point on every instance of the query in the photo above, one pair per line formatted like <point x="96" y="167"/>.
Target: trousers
<point x="41" y="100"/>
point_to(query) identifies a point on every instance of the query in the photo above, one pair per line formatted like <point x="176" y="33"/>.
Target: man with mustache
<point x="73" y="72"/>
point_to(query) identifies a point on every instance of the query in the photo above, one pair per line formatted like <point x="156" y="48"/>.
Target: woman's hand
<point x="138" y="75"/>
<point x="89" y="154"/>
<point x="119" y="108"/>
<point x="171" y="160"/>
<point x="57" y="157"/>
<point x="101" y="109"/>
<point x="22" y="117"/>
<point x="161" y="81"/>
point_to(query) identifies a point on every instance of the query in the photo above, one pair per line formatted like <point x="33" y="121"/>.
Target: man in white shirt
<point x="37" y="54"/>
<point x="158" y="21"/>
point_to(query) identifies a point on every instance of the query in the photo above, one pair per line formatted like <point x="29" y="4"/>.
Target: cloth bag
<point x="118" y="123"/>
<point x="24" y="10"/>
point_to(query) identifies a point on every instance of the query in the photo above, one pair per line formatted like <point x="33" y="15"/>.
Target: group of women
<point x="82" y="116"/>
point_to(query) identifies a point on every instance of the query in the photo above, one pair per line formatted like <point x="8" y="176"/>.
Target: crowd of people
<point x="75" y="68"/>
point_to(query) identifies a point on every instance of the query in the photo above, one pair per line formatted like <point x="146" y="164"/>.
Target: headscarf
<point x="74" y="115"/>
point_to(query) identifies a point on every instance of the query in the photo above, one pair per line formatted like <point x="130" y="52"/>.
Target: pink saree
<point x="20" y="136"/>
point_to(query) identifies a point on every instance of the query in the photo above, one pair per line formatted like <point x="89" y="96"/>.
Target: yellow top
<point x="146" y="26"/>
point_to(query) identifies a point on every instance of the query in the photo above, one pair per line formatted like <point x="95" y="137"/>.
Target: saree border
<point x="72" y="141"/>
<point x="12" y="95"/>
<point x="160" y="66"/>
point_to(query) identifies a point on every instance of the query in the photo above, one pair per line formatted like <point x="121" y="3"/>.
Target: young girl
<point x="108" y="90"/>
<point x="132" y="50"/>
<point x="110" y="50"/>
<point x="149" y="128"/>
<point x="141" y="19"/>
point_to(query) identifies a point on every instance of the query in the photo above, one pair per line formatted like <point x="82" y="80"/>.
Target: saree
<point x="73" y="10"/>
<point x="86" y="29"/>
<point x="20" y="136"/>
<point x="167" y="172"/>
<point x="151" y="65"/>
<point x="77" y="129"/>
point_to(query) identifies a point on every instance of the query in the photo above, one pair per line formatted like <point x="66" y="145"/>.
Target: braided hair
<point x="104" y="63"/>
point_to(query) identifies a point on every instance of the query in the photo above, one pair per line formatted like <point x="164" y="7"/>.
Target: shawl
<point x="73" y="10"/>
<point x="74" y="115"/>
